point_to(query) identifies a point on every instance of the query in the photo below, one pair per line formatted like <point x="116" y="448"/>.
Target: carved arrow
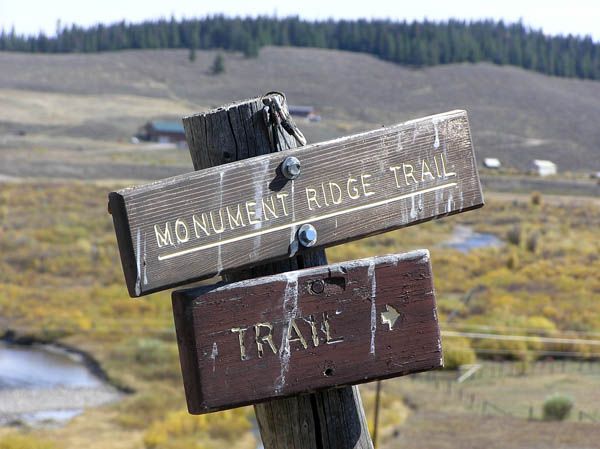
<point x="390" y="316"/>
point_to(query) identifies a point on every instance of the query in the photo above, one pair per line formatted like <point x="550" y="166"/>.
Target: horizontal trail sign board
<point x="306" y="330"/>
<point x="236" y="215"/>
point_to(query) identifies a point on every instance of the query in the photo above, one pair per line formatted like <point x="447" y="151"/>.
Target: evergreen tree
<point x="415" y="43"/>
<point x="218" y="65"/>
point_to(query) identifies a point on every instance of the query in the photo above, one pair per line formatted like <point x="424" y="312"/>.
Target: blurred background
<point x="91" y="100"/>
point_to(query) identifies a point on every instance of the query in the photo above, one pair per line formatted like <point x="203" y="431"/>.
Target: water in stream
<point x="465" y="239"/>
<point x="42" y="384"/>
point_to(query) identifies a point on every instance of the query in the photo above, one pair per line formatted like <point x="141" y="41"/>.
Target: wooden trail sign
<point x="237" y="215"/>
<point x="306" y="330"/>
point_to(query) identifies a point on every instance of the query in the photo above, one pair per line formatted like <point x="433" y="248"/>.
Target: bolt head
<point x="307" y="235"/>
<point x="318" y="286"/>
<point x="291" y="167"/>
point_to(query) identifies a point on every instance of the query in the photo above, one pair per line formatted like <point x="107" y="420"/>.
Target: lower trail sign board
<point x="240" y="214"/>
<point x="306" y="330"/>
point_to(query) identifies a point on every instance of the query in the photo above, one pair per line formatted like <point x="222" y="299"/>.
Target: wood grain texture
<point x="306" y="330"/>
<point x="316" y="421"/>
<point x="243" y="213"/>
<point x="312" y="420"/>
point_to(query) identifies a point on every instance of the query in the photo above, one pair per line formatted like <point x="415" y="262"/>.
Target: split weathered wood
<point x="302" y="331"/>
<point x="328" y="419"/>
<point x="236" y="215"/>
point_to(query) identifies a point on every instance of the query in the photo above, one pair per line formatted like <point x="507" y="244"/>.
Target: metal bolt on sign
<point x="307" y="235"/>
<point x="291" y="167"/>
<point x="317" y="286"/>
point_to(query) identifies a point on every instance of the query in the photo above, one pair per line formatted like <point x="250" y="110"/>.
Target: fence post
<point x="329" y="419"/>
<point x="376" y="417"/>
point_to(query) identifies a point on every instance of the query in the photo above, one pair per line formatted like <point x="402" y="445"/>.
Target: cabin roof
<point x="167" y="126"/>
<point x="300" y="109"/>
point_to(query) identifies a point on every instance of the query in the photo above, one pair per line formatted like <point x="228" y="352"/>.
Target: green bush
<point x="218" y="65"/>
<point x="536" y="198"/>
<point x="514" y="235"/>
<point x="557" y="407"/>
<point x="513" y="262"/>
<point x="532" y="242"/>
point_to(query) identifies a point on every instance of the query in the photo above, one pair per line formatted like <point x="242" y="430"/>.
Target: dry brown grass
<point x="515" y="114"/>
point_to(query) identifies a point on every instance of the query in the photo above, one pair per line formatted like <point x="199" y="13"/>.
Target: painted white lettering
<point x="353" y="191"/>
<point x="179" y="225"/>
<point x="212" y="222"/>
<point x="241" y="331"/>
<point x="313" y="330"/>
<point x="395" y="170"/>
<point x="251" y="212"/>
<point x="408" y="173"/>
<point x="326" y="328"/>
<point x="294" y="327"/>
<point x="163" y="238"/>
<point x="425" y="171"/>
<point x="336" y="197"/>
<point x="261" y="339"/>
<point x="269" y="209"/>
<point x="235" y="221"/>
<point x="365" y="184"/>
<point x="324" y="194"/>
<point x="437" y="168"/>
<point x="281" y="197"/>
<point x="311" y="196"/>
<point x="200" y="225"/>
<point x="446" y="173"/>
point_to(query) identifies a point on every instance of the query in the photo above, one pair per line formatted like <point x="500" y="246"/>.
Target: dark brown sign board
<point x="198" y="225"/>
<point x="306" y="330"/>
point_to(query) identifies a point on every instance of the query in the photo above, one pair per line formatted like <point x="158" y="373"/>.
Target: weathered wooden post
<point x="331" y="418"/>
<point x="295" y="344"/>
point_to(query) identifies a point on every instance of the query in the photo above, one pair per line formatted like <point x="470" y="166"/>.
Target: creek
<point x="47" y="385"/>
<point x="465" y="239"/>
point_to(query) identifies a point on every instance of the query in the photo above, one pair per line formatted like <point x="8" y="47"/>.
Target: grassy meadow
<point x="61" y="280"/>
<point x="65" y="129"/>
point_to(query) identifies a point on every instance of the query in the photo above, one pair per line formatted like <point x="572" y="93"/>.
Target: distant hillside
<point x="417" y="44"/>
<point x="515" y="114"/>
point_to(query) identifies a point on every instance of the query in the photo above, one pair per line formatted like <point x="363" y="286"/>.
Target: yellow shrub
<point x="392" y="411"/>
<point x="540" y="323"/>
<point x="457" y="351"/>
<point x="197" y="430"/>
<point x="16" y="441"/>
